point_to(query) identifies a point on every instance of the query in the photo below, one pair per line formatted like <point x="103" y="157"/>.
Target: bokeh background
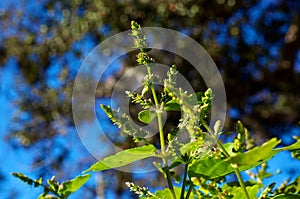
<point x="255" y="44"/>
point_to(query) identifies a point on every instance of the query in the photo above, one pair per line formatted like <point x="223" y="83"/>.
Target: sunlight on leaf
<point x="172" y="106"/>
<point x="124" y="158"/>
<point x="238" y="193"/>
<point x="257" y="155"/>
<point x="70" y="186"/>
<point x="146" y="116"/>
<point x="213" y="168"/>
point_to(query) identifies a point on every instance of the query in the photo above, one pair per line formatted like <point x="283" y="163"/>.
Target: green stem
<point x="227" y="155"/>
<point x="236" y="170"/>
<point x="240" y="179"/>
<point x="158" y="113"/>
<point x="189" y="191"/>
<point x="220" y="145"/>
<point x="184" y="181"/>
<point x="170" y="183"/>
<point x="160" y="126"/>
<point x="161" y="134"/>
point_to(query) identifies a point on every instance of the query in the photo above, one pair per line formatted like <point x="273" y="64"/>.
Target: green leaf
<point x="294" y="146"/>
<point x="229" y="148"/>
<point x="70" y="186"/>
<point x="146" y="116"/>
<point x="163" y="194"/>
<point x="287" y="196"/>
<point x="172" y="106"/>
<point x="212" y="168"/>
<point x="255" y="156"/>
<point x="191" y="146"/>
<point x="123" y="158"/>
<point x="238" y="193"/>
<point x="47" y="196"/>
<point x="166" y="193"/>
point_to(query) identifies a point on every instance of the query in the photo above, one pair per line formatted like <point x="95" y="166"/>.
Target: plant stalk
<point x="184" y="181"/>
<point x="240" y="179"/>
<point x="227" y="155"/>
<point x="158" y="113"/>
<point x="170" y="183"/>
<point x="189" y="191"/>
<point x="236" y="170"/>
<point x="161" y="135"/>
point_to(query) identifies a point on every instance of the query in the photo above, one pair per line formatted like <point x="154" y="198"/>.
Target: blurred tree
<point x="254" y="43"/>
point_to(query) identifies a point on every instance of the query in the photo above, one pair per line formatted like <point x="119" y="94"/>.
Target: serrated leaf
<point x="70" y="186"/>
<point x="210" y="168"/>
<point x="294" y="146"/>
<point x="124" y="158"/>
<point x="213" y="168"/>
<point x="172" y="106"/>
<point x="287" y="196"/>
<point x="238" y="193"/>
<point x="146" y="116"/>
<point x="255" y="156"/>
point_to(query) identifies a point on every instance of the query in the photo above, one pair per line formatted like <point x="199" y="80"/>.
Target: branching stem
<point x="184" y="181"/>
<point x="227" y="155"/>
<point x="161" y="133"/>
<point x="189" y="191"/>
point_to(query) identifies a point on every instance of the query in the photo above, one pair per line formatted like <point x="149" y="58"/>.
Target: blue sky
<point x="14" y="160"/>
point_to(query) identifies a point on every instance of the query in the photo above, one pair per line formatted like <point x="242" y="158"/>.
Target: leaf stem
<point x="170" y="183"/>
<point x="240" y="179"/>
<point x="158" y="113"/>
<point x="189" y="191"/>
<point x="184" y="181"/>
<point x="227" y="155"/>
